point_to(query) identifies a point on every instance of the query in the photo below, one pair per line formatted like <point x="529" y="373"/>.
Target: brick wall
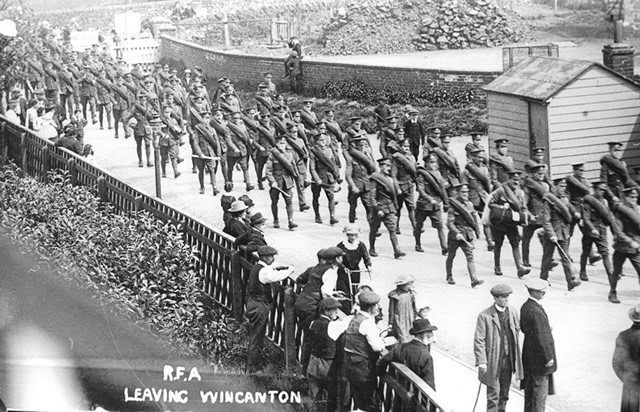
<point x="245" y="70"/>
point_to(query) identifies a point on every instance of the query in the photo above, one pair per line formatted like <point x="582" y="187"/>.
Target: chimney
<point x="619" y="58"/>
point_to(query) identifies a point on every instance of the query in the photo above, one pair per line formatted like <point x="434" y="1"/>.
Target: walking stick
<point x="477" y="397"/>
<point x="285" y="194"/>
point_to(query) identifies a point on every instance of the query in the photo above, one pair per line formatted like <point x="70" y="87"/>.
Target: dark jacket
<point x="539" y="347"/>
<point x="626" y="365"/>
<point x="415" y="355"/>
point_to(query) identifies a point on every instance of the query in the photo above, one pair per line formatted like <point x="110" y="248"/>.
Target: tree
<point x="13" y="50"/>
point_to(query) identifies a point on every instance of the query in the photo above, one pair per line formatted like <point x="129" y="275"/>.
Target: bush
<point x="136" y="263"/>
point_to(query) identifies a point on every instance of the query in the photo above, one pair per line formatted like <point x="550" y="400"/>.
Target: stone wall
<point x="245" y="70"/>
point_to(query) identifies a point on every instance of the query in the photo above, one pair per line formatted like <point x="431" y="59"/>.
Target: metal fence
<point x="223" y="268"/>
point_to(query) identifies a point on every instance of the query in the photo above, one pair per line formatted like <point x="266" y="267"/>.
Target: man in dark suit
<point x="538" y="352"/>
<point x="415" y="132"/>
<point x="414" y="354"/>
<point x="626" y="362"/>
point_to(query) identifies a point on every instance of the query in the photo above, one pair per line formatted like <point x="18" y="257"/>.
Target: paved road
<point x="585" y="324"/>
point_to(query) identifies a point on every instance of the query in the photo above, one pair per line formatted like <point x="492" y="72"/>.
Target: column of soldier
<point x="288" y="145"/>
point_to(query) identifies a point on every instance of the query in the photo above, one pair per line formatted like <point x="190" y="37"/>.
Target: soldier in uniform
<point x="404" y="170"/>
<point x="383" y="204"/>
<point x="500" y="163"/>
<point x="266" y="141"/>
<point x="104" y="98"/>
<point x="206" y="146"/>
<point x="298" y="148"/>
<point x="259" y="300"/>
<point x="432" y="201"/>
<point x="334" y="131"/>
<point x="614" y="170"/>
<point x="325" y="175"/>
<point x="596" y="216"/>
<point x="354" y="130"/>
<point x="263" y="99"/>
<point x="433" y="139"/>
<point x="577" y="189"/>
<point x="476" y="176"/>
<point x="534" y="189"/>
<point x="359" y="165"/>
<point x="447" y="163"/>
<point x="388" y="135"/>
<point x="475" y="143"/>
<point x="464" y="226"/>
<point x="121" y="104"/>
<point x="626" y="237"/>
<point x="415" y="132"/>
<point x="382" y="112"/>
<point x="537" y="158"/>
<point x="556" y="217"/>
<point x="308" y="116"/>
<point x="282" y="176"/>
<point x="170" y="143"/>
<point x="238" y="146"/>
<point x="508" y="210"/>
<point x="141" y="130"/>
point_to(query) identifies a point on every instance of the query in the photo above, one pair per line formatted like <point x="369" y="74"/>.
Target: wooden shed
<point x="571" y="107"/>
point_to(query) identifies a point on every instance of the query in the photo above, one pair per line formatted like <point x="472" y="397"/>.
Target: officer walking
<point x="384" y="204"/>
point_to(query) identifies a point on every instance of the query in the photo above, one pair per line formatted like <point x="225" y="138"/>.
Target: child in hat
<point x="354" y="251"/>
<point x="402" y="308"/>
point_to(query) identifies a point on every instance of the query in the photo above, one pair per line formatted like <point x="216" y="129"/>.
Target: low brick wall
<point x="246" y="70"/>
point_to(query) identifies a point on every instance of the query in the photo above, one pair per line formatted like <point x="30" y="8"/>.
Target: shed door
<point x="539" y="128"/>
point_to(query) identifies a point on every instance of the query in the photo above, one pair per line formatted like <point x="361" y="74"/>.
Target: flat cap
<point x="332" y="252"/>
<point x="246" y="200"/>
<point x="501" y="290"/>
<point x="629" y="191"/>
<point x="538" y="284"/>
<point x="368" y="298"/>
<point x="328" y="303"/>
<point x="267" y="251"/>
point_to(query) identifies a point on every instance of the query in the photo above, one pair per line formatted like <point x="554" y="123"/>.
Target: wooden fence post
<point x="73" y="173"/>
<point x="23" y="152"/>
<point x="137" y="204"/>
<point x="237" y="306"/>
<point x="290" y="351"/>
<point x="102" y="189"/>
<point x="46" y="163"/>
<point x="4" y="146"/>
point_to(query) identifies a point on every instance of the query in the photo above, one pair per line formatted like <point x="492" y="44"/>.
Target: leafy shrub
<point x="136" y="263"/>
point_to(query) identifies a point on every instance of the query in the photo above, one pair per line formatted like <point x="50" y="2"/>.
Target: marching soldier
<point x="534" y="189"/>
<point x="238" y="146"/>
<point x="308" y="117"/>
<point x="537" y="158"/>
<point x="577" y="189"/>
<point x="433" y="139"/>
<point x="170" y="143"/>
<point x="298" y="148"/>
<point x="447" y="163"/>
<point x="207" y="149"/>
<point x="404" y="170"/>
<point x="475" y="143"/>
<point x="121" y="104"/>
<point x="384" y="204"/>
<point x="359" y="165"/>
<point x="626" y="237"/>
<point x="282" y="175"/>
<point x="432" y="201"/>
<point x="507" y="210"/>
<point x="556" y="218"/>
<point x="388" y="135"/>
<point x="381" y="112"/>
<point x="138" y="120"/>
<point x="596" y="216"/>
<point x="354" y="130"/>
<point x="614" y="170"/>
<point x="464" y="227"/>
<point x="325" y="175"/>
<point x="263" y="99"/>
<point x="333" y="129"/>
<point x="500" y="163"/>
<point x="476" y="176"/>
<point x="266" y="141"/>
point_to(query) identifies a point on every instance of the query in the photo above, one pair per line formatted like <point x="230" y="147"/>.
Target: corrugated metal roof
<point x="539" y="78"/>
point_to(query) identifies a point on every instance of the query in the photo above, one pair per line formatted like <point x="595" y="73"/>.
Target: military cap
<point x="390" y="118"/>
<point x="251" y="107"/>
<point x="368" y="298"/>
<point x="291" y="125"/>
<point x="436" y="128"/>
<point x="222" y="79"/>
<point x="174" y="78"/>
<point x="187" y="71"/>
<point x="476" y="132"/>
<point x="629" y="191"/>
<point x="538" y="149"/>
<point x="598" y="183"/>
<point x="355" y="119"/>
<point x="537" y="167"/>
<point x="205" y="112"/>
<point x="514" y="172"/>
<point x="614" y="145"/>
<point x="329" y="111"/>
<point x="267" y="250"/>
<point x="473" y="150"/>
<point x="265" y="116"/>
<point x="257" y="219"/>
<point x="351" y="229"/>
<point x="384" y="160"/>
<point x="328" y="303"/>
<point x="246" y="200"/>
<point x="501" y="290"/>
<point x="265" y="74"/>
<point x="535" y="283"/>
<point x="501" y="142"/>
<point x="559" y="180"/>
<point x="305" y="101"/>
<point x="358" y="138"/>
<point x="459" y="186"/>
<point x="421" y="326"/>
<point x="263" y="86"/>
<point x="577" y="166"/>
<point x="413" y="111"/>
<point x="237" y="206"/>
<point x="321" y="122"/>
<point x="403" y="279"/>
<point x="296" y="111"/>
<point x="198" y="97"/>
<point x="445" y="136"/>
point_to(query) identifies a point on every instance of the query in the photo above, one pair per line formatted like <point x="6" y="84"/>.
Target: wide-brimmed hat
<point x="257" y="219"/>
<point x="403" y="279"/>
<point x="237" y="206"/>
<point x="422" y="325"/>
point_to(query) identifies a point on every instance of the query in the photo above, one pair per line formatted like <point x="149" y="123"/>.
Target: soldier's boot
<point x="139" y="152"/>
<point x="163" y="166"/>
<point x="583" y="266"/>
<point x="332" y="212"/>
<point x="412" y="218"/>
<point x="147" y="150"/>
<point x="372" y="244"/>
<point x="316" y="209"/>
<point x="613" y="283"/>
<point x="274" y="213"/>
<point x="292" y="225"/>
<point x="109" y="120"/>
<point x="398" y="222"/>
<point x="497" y="268"/>
<point x="472" y="275"/>
<point x="443" y="241"/>
<point x="174" y="165"/>
<point x="397" y="253"/>
<point x="449" y="269"/>
<point x="522" y="270"/>
<point x="417" y="235"/>
<point x="247" y="180"/>
<point x="489" y="236"/>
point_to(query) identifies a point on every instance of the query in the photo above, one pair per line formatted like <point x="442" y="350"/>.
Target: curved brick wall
<point x="245" y="70"/>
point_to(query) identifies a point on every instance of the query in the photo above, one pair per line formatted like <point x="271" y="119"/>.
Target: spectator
<point x="626" y="362"/>
<point x="236" y="226"/>
<point x="402" y="308"/>
<point x="354" y="251"/>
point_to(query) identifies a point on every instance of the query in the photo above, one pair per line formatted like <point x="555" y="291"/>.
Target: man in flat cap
<point x="500" y="163"/>
<point x="626" y="362"/>
<point x="259" y="299"/>
<point x="363" y="346"/>
<point x="538" y="352"/>
<point x="626" y="237"/>
<point x="496" y="346"/>
<point x="414" y="354"/>
<point x="383" y="205"/>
